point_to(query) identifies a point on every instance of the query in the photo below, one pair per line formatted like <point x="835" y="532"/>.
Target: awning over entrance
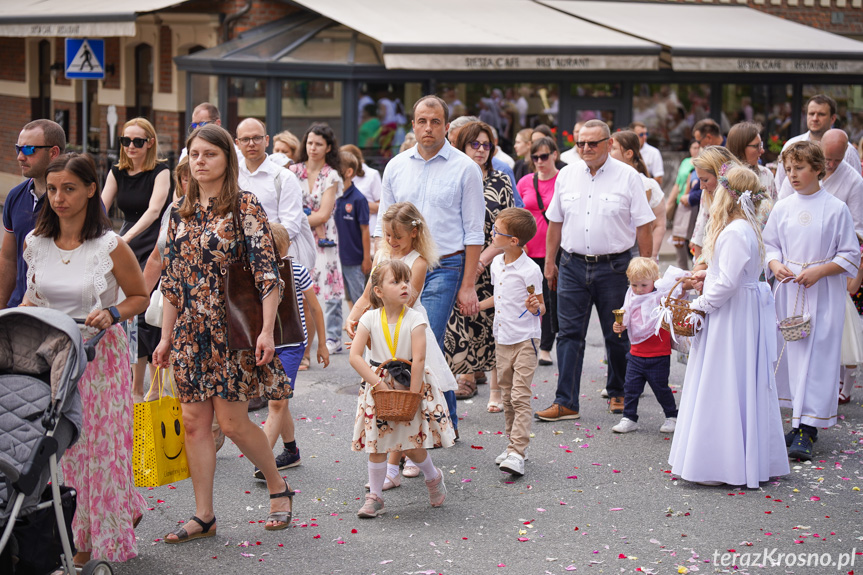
<point x="737" y="39"/>
<point x="75" y="18"/>
<point x="481" y="35"/>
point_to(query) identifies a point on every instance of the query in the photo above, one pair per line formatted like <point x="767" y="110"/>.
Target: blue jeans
<point x="653" y="370"/>
<point x="333" y="318"/>
<point x="439" y="297"/>
<point x="580" y="286"/>
<point x="355" y="281"/>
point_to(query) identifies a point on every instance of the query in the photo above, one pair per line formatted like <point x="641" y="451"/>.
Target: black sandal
<point x="283" y="517"/>
<point x="183" y="535"/>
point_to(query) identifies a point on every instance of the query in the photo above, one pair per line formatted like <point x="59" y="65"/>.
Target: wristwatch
<point x="115" y="315"/>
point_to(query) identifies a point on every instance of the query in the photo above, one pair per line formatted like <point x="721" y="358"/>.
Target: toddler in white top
<point x="518" y="304"/>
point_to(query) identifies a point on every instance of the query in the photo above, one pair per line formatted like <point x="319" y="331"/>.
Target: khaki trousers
<point x="516" y="365"/>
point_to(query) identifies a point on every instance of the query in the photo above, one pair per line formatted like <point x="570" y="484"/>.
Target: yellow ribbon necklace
<point x="392" y="343"/>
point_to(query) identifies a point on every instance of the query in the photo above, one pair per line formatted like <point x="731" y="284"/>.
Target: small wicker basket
<point x="796" y="327"/>
<point x="393" y="404"/>
<point x="680" y="312"/>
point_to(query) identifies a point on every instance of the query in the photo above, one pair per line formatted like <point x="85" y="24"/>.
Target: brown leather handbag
<point x="243" y="308"/>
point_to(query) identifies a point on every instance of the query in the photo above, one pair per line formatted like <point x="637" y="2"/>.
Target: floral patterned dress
<point x="197" y="249"/>
<point x="469" y="340"/>
<point x="99" y="465"/>
<point x="327" y="274"/>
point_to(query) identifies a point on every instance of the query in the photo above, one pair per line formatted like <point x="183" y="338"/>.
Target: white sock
<point x="428" y="468"/>
<point x="392" y="470"/>
<point x="377" y="474"/>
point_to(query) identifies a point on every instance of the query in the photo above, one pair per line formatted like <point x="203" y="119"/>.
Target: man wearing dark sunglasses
<point x="598" y="212"/>
<point x="38" y="144"/>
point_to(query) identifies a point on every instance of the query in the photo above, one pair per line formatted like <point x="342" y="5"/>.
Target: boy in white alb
<point x="518" y="304"/>
<point x="810" y="246"/>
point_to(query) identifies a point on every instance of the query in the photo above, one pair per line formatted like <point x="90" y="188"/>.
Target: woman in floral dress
<point x="77" y="265"/>
<point x="469" y="342"/>
<point x="318" y="171"/>
<point x="210" y="377"/>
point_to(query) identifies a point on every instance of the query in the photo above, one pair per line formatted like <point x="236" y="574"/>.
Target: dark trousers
<point x="652" y="370"/>
<point x="580" y="286"/>
<point x="546" y="341"/>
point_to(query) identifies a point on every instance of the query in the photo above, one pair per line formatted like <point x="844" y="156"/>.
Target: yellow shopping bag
<point x="160" y="450"/>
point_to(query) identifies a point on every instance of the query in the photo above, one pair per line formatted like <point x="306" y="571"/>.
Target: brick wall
<point x="170" y="128"/>
<point x="14" y="113"/>
<point x="73" y="135"/>
<point x="60" y="56"/>
<point x="14" y="57"/>
<point x="166" y="65"/>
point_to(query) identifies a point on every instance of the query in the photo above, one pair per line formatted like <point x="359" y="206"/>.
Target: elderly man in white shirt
<point x="277" y="189"/>
<point x="599" y="210"/>
<point x="820" y="117"/>
<point x="446" y="186"/>
<point x="651" y="156"/>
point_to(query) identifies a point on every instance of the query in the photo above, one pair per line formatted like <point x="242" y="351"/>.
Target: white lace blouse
<point x="75" y="282"/>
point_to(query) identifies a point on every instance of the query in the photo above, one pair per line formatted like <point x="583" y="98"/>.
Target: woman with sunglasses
<point x="536" y="190"/>
<point x="141" y="184"/>
<point x="469" y="340"/>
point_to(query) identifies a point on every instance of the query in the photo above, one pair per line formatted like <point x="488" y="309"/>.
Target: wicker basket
<point x="796" y="327"/>
<point x="680" y="312"/>
<point x="392" y="404"/>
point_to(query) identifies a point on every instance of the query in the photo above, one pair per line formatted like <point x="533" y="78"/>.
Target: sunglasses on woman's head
<point x="538" y="157"/>
<point x="485" y="145"/>
<point x="137" y="142"/>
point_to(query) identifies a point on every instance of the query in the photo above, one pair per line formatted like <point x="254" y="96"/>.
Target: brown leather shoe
<point x="556" y="413"/>
<point x="615" y="405"/>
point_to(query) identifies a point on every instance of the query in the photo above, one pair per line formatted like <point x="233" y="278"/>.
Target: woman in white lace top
<point x="77" y="265"/>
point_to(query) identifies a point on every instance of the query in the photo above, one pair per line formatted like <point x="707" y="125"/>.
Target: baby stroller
<point x="42" y="357"/>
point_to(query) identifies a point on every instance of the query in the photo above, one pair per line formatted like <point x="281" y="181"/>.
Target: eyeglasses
<point x="538" y="157"/>
<point x="195" y="125"/>
<point x="255" y="139"/>
<point x="591" y="145"/>
<point x="643" y="134"/>
<point x="137" y="142"/>
<point x="758" y="146"/>
<point x="477" y="145"/>
<point x="28" y="150"/>
<point x="494" y="233"/>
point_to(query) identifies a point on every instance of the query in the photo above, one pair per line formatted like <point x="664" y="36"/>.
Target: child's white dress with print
<point x="729" y="427"/>
<point x="805" y="230"/>
<point x="430" y="427"/>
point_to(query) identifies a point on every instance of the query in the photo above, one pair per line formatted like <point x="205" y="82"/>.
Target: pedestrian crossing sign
<point x="85" y="59"/>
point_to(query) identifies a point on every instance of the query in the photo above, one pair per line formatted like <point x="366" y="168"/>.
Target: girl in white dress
<point x="394" y="330"/>
<point x="812" y="248"/>
<point x="407" y="238"/>
<point x="729" y="428"/>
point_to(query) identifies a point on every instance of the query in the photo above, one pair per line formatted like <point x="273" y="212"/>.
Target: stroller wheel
<point x="97" y="568"/>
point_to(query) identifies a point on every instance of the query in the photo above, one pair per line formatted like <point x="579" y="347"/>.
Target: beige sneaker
<point x="437" y="489"/>
<point x="373" y="507"/>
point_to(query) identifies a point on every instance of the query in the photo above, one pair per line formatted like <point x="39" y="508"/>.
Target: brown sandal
<point x="283" y="517"/>
<point x="466" y="387"/>
<point x="183" y="535"/>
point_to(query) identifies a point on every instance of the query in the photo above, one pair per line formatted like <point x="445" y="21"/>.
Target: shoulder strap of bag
<point x="538" y="197"/>
<point x="239" y="235"/>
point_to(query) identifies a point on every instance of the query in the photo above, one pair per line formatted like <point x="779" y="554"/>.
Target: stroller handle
<point x="90" y="344"/>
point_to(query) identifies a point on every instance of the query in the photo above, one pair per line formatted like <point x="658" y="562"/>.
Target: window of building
<point x="247" y="98"/>
<point x="849" y="106"/>
<point x="768" y="105"/>
<point x="669" y="111"/>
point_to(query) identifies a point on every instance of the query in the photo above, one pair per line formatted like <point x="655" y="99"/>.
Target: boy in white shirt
<point x="518" y="304"/>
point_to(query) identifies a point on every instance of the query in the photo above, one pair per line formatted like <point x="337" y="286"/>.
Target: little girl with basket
<point x="396" y="332"/>
<point x="811" y="250"/>
<point x="729" y="428"/>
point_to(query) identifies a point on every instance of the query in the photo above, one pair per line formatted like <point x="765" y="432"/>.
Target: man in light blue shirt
<point x="446" y="186"/>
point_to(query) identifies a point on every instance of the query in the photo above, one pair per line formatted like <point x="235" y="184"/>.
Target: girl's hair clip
<point x="415" y="222"/>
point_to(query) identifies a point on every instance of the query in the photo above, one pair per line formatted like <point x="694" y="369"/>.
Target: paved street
<point x="591" y="501"/>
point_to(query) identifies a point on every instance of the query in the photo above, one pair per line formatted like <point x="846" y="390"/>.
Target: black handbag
<point x="244" y="310"/>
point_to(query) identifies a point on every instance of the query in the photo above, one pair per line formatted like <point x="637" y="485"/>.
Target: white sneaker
<point x="334" y="346"/>
<point x="514" y="464"/>
<point x="625" y="426"/>
<point x="604" y="393"/>
<point x="500" y="458"/>
<point x="669" y="425"/>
